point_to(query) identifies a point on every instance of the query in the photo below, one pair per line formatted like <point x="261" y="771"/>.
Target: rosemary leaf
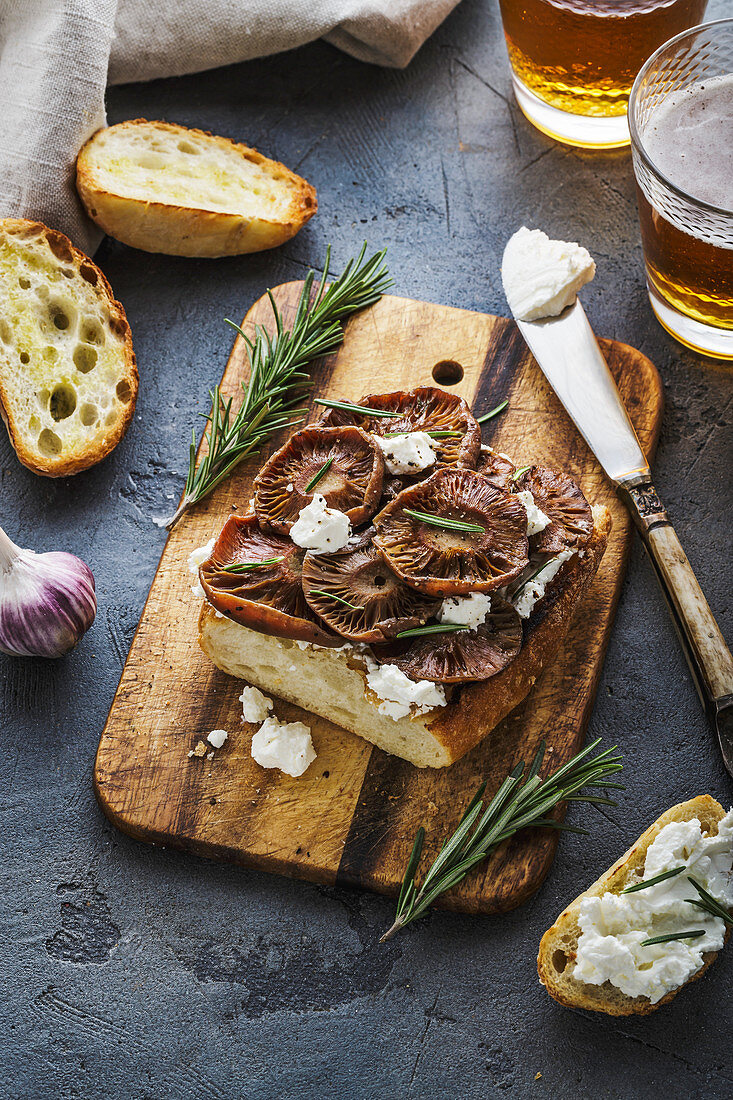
<point x="492" y="412"/>
<point x="362" y="410"/>
<point x="653" y="881"/>
<point x="319" y="474"/>
<point x="694" y="934"/>
<point x="440" y="521"/>
<point x="333" y="596"/>
<point x="522" y="800"/>
<point x="433" y="628"/>
<point x="248" y="566"/>
<point x="277" y="371"/>
<point x="707" y="902"/>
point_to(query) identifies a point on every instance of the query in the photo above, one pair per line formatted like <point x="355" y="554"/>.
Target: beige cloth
<point x="56" y="57"/>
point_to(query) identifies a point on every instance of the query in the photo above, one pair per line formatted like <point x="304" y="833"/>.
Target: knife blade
<point x="571" y="360"/>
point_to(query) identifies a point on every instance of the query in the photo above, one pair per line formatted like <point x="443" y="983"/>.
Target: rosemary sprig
<point x="518" y="473"/>
<point x="347" y="406"/>
<point x="694" y="934"/>
<point x="440" y="521"/>
<point x="652" y="881"/>
<point x="319" y="474"/>
<point x="492" y="412"/>
<point x="277" y="376"/>
<point x="433" y="628"/>
<point x="333" y="596"/>
<point x="708" y="903"/>
<point x="521" y="800"/>
<point x="248" y="566"/>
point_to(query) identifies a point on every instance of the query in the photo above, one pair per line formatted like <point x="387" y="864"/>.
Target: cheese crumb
<point x="255" y="705"/>
<point x="530" y="593"/>
<point x="284" y="745"/>
<point x="407" y="453"/>
<point x="541" y="277"/>
<point x="320" y="528"/>
<point x="400" y="693"/>
<point x="196" y="558"/>
<point x="470" y="610"/>
<point x="217" y="738"/>
<point x="537" y="520"/>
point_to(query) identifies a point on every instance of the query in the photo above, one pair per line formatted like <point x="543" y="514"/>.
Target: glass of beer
<point x="681" y="123"/>
<point x="574" y="61"/>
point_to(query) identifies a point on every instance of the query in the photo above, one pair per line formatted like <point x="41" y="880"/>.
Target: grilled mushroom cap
<point x="463" y="655"/>
<point x="427" y="409"/>
<point x="358" y="595"/>
<point x="560" y="498"/>
<point x="444" y="561"/>
<point x="268" y="598"/>
<point x="350" y="482"/>
<point x="496" y="468"/>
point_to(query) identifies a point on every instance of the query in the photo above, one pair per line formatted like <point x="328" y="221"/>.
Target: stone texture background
<point x="138" y="974"/>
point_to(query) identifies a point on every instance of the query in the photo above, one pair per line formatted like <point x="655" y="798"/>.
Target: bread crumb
<point x="432" y="809"/>
<point x="199" y="751"/>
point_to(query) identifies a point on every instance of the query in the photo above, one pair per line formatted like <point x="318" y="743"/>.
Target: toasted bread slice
<point x="68" y="379"/>
<point x="559" y="945"/>
<point x="332" y="682"/>
<point x="165" y="188"/>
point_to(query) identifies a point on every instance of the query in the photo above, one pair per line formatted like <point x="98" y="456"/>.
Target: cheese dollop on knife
<point x="540" y="276"/>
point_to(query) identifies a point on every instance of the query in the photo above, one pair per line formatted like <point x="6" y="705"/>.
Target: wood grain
<point x="353" y="816"/>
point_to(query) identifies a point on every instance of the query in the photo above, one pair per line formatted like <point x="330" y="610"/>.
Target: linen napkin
<point x="56" y="57"/>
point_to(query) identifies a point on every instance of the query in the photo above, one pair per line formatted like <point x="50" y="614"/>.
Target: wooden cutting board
<point x="352" y="818"/>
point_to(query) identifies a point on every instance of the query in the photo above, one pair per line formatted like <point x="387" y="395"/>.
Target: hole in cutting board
<point x="447" y="372"/>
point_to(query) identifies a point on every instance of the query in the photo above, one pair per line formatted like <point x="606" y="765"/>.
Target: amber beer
<point x="582" y="56"/>
<point x="689" y="139"/>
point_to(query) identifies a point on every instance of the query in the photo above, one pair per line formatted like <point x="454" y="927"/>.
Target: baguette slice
<point x="559" y="944"/>
<point x="165" y="188"/>
<point x="332" y="682"/>
<point x="68" y="378"/>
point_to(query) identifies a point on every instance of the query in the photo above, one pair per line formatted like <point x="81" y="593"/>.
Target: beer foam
<point x="689" y="139"/>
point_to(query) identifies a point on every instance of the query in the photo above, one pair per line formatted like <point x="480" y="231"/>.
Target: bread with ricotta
<point x="334" y="682"/>
<point x="558" y="952"/>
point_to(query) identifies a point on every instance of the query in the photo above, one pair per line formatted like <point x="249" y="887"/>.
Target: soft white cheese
<point x="255" y="705"/>
<point x="400" y="693"/>
<point x="195" y="559"/>
<point x="470" y="610"/>
<point x="407" y="453"/>
<point x="527" y="596"/>
<point x="536" y="518"/>
<point x="217" y="738"/>
<point x="541" y="277"/>
<point x="614" y="925"/>
<point x="320" y="528"/>
<point x="284" y="745"/>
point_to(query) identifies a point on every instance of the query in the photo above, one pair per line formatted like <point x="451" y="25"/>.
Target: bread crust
<point x="88" y="455"/>
<point x="442" y="736"/>
<point x="178" y="230"/>
<point x="564" y="933"/>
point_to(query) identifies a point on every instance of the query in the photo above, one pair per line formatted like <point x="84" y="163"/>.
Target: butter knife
<point x="568" y="355"/>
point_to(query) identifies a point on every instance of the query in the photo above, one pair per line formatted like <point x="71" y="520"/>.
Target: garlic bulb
<point x="47" y="601"/>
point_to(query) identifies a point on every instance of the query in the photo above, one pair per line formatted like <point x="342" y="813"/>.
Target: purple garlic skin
<point x="47" y="601"/>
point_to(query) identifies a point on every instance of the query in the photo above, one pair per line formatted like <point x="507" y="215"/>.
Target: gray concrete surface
<point x="138" y="974"/>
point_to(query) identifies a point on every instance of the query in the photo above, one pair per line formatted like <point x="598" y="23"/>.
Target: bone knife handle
<point x="708" y="656"/>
